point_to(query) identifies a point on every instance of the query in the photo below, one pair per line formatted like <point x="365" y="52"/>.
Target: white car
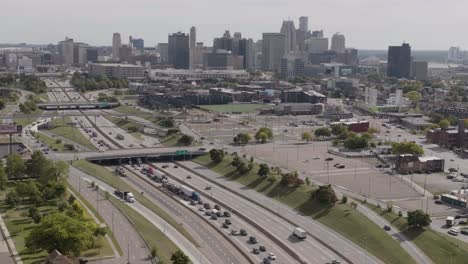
<point x="453" y="232"/>
<point x="271" y="256"/>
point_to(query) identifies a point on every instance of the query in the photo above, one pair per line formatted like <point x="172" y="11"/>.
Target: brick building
<point x="408" y="163"/>
<point x="449" y="138"/>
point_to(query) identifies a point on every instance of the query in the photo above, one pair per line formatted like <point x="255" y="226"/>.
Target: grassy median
<point x="113" y="180"/>
<point x="341" y="218"/>
<point x="439" y="247"/>
<point x="64" y="128"/>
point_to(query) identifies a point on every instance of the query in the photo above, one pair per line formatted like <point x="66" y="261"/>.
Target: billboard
<point x="10" y="128"/>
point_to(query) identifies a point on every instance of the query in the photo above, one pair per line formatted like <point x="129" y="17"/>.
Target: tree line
<point x="84" y="83"/>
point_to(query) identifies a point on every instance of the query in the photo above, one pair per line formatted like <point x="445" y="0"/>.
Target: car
<point x="316" y="158"/>
<point x="227" y="214"/>
<point x="379" y="166"/>
<point x="234" y="232"/>
<point x="453" y="231"/>
<point x="335" y="261"/>
<point x="175" y="166"/>
<point x="219" y="214"/>
<point x="225" y="225"/>
<point x="458" y="216"/>
<point x="387" y="228"/>
<point x="328" y="159"/>
<point x="192" y="202"/>
<point x="200" y="201"/>
<point x="336" y="165"/>
<point x="227" y="221"/>
<point x="202" y="149"/>
<point x="242" y="232"/>
<point x="207" y="206"/>
<point x="450" y="177"/>
<point x="255" y="251"/>
<point x="202" y="209"/>
<point x="208" y="188"/>
<point x="207" y="213"/>
<point x="262" y="248"/>
<point x="252" y="240"/>
<point x="341" y="166"/>
<point x="464" y="232"/>
<point x="189" y="177"/>
<point x="271" y="256"/>
<point x="164" y="166"/>
<point x="214" y="217"/>
<point x="462" y="222"/>
<point x="217" y="207"/>
<point x="439" y="202"/>
<point x="266" y="260"/>
<point x="386" y="166"/>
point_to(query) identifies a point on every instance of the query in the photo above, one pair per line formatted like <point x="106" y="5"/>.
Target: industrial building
<point x="409" y="163"/>
<point x="115" y="70"/>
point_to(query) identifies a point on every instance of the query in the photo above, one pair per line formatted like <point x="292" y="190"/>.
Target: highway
<point x="212" y="243"/>
<point x="308" y="250"/>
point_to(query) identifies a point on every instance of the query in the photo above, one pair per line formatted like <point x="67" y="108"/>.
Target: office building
<point x="316" y="45"/>
<point x="419" y="70"/>
<point x="224" y="43"/>
<point x="66" y="51"/>
<point x="125" y="53"/>
<point x="304" y="24"/>
<point x="289" y="31"/>
<point x="338" y="43"/>
<point x="219" y="60"/>
<point x="454" y="54"/>
<point x="179" y="50"/>
<point x="317" y="34"/>
<point x="116" y="44"/>
<point x="137" y="43"/>
<point x="353" y="125"/>
<point x="91" y="55"/>
<point x="371" y="97"/>
<point x="292" y="66"/>
<point x="299" y="95"/>
<point x="115" y="70"/>
<point x="399" y="61"/>
<point x="273" y="50"/>
<point x="192" y="46"/>
<point x="163" y="50"/>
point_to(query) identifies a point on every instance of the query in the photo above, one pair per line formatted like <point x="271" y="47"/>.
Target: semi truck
<point x="300" y="233"/>
<point x="121" y="171"/>
<point x="127" y="196"/>
<point x="189" y="192"/>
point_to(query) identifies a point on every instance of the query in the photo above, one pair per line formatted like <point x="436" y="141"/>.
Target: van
<point x="300" y="233"/>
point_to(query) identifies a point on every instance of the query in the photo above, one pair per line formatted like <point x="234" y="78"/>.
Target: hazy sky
<point x="375" y="24"/>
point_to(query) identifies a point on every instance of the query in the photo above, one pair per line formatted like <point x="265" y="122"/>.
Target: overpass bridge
<point x="77" y="105"/>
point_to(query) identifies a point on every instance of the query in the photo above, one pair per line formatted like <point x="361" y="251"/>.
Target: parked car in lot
<point x="207" y="206"/>
<point x="262" y="248"/>
<point x="243" y="232"/>
<point x="227" y="221"/>
<point x="255" y="251"/>
<point x="227" y="214"/>
<point x="208" y="213"/>
<point x="234" y="232"/>
<point x="271" y="256"/>
<point x="453" y="232"/>
<point x="225" y="225"/>
<point x="253" y="240"/>
<point x="217" y="207"/>
<point x="214" y="217"/>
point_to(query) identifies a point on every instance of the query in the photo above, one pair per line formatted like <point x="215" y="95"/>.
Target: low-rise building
<point x="357" y="126"/>
<point x="116" y="70"/>
<point x="294" y="109"/>
<point x="409" y="163"/>
<point x="172" y="74"/>
<point x="449" y="138"/>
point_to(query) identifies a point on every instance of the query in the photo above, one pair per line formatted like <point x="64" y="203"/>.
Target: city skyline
<point x="366" y="24"/>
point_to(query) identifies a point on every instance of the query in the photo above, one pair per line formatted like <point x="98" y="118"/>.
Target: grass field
<point x="236" y="108"/>
<point x="50" y="142"/>
<point x="70" y="132"/>
<point x="173" y="141"/>
<point x="113" y="180"/>
<point x="20" y="225"/>
<point x="341" y="218"/>
<point x="152" y="235"/>
<point x="125" y="109"/>
<point x="125" y="124"/>
<point x="440" y="248"/>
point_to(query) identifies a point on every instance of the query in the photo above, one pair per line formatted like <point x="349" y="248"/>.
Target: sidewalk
<point x="8" y="251"/>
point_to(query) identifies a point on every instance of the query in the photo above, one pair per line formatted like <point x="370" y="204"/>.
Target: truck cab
<point x="450" y="221"/>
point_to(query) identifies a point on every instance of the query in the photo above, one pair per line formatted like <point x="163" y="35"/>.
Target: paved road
<point x="309" y="249"/>
<point x="124" y="232"/>
<point x="186" y="246"/>
<point x="212" y="243"/>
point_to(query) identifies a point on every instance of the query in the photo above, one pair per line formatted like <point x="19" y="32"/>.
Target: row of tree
<point x="86" y="83"/>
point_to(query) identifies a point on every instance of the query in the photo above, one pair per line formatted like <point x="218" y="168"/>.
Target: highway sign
<point x="10" y="128"/>
<point x="181" y="152"/>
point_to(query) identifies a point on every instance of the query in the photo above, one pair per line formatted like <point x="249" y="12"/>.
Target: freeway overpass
<point x="77" y="105"/>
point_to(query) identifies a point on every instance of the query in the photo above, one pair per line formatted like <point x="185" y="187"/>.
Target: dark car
<point x="387" y="228"/>
<point x="253" y="240"/>
<point x="207" y="206"/>
<point x="214" y="217"/>
<point x="262" y="248"/>
<point x="379" y="166"/>
<point x="219" y="214"/>
<point x="192" y="202"/>
<point x="227" y="214"/>
<point x="225" y="225"/>
<point x="208" y="213"/>
<point x="234" y="232"/>
<point x="266" y="261"/>
<point x="227" y="221"/>
<point x="458" y="216"/>
<point x="439" y="202"/>
<point x="255" y="251"/>
<point x="217" y="207"/>
<point x="464" y="232"/>
<point x="242" y="232"/>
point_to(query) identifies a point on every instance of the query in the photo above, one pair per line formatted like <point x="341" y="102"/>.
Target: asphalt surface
<point x="124" y="232"/>
<point x="215" y="247"/>
<point x="309" y="249"/>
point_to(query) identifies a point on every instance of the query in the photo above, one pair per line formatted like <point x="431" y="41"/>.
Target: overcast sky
<point x="367" y="24"/>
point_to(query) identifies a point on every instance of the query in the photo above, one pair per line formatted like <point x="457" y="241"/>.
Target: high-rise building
<point x="292" y="66"/>
<point x="304" y="23"/>
<point x="179" y="50"/>
<point x="219" y="60"/>
<point x="454" y="54"/>
<point x="419" y="70"/>
<point x="237" y="35"/>
<point x="163" y="50"/>
<point x="66" y="51"/>
<point x="227" y="34"/>
<point x="193" y="41"/>
<point x="316" y="45"/>
<point x="79" y="53"/>
<point x="273" y="50"/>
<point x="116" y="44"/>
<point x="289" y="31"/>
<point x="91" y="55"/>
<point x="338" y="43"/>
<point x="137" y="43"/>
<point x="224" y="43"/>
<point x="399" y="61"/>
<point x="317" y="34"/>
<point x="125" y="53"/>
<point x="371" y="97"/>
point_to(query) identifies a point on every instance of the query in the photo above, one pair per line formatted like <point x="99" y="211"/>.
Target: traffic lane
<point x="238" y="223"/>
<point x="329" y="236"/>
<point x="307" y="249"/>
<point x="124" y="232"/>
<point x="221" y="252"/>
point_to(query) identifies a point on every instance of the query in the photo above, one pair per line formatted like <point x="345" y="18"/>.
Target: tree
<point x="264" y="134"/>
<point x="38" y="165"/>
<point x="71" y="199"/>
<point x="235" y="161"/>
<point x="242" y="138"/>
<point x="338" y="129"/>
<point x="167" y="122"/>
<point x="307" y="181"/>
<point x="34" y="213"/>
<point x="15" y="167"/>
<point x="242" y="167"/>
<point x="217" y="155"/>
<point x="325" y="194"/>
<point x="185" y="140"/>
<point x="413" y="96"/>
<point x="418" y="219"/>
<point x="407" y="148"/>
<point x="322" y="132"/>
<point x="356" y="143"/>
<point x="306" y="136"/>
<point x="154" y="252"/>
<point x="2" y="104"/>
<point x="3" y="177"/>
<point x="444" y="123"/>
<point x="61" y="232"/>
<point x="263" y="170"/>
<point x="372" y="130"/>
<point x="353" y="205"/>
<point x="12" y="198"/>
<point x="179" y="258"/>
